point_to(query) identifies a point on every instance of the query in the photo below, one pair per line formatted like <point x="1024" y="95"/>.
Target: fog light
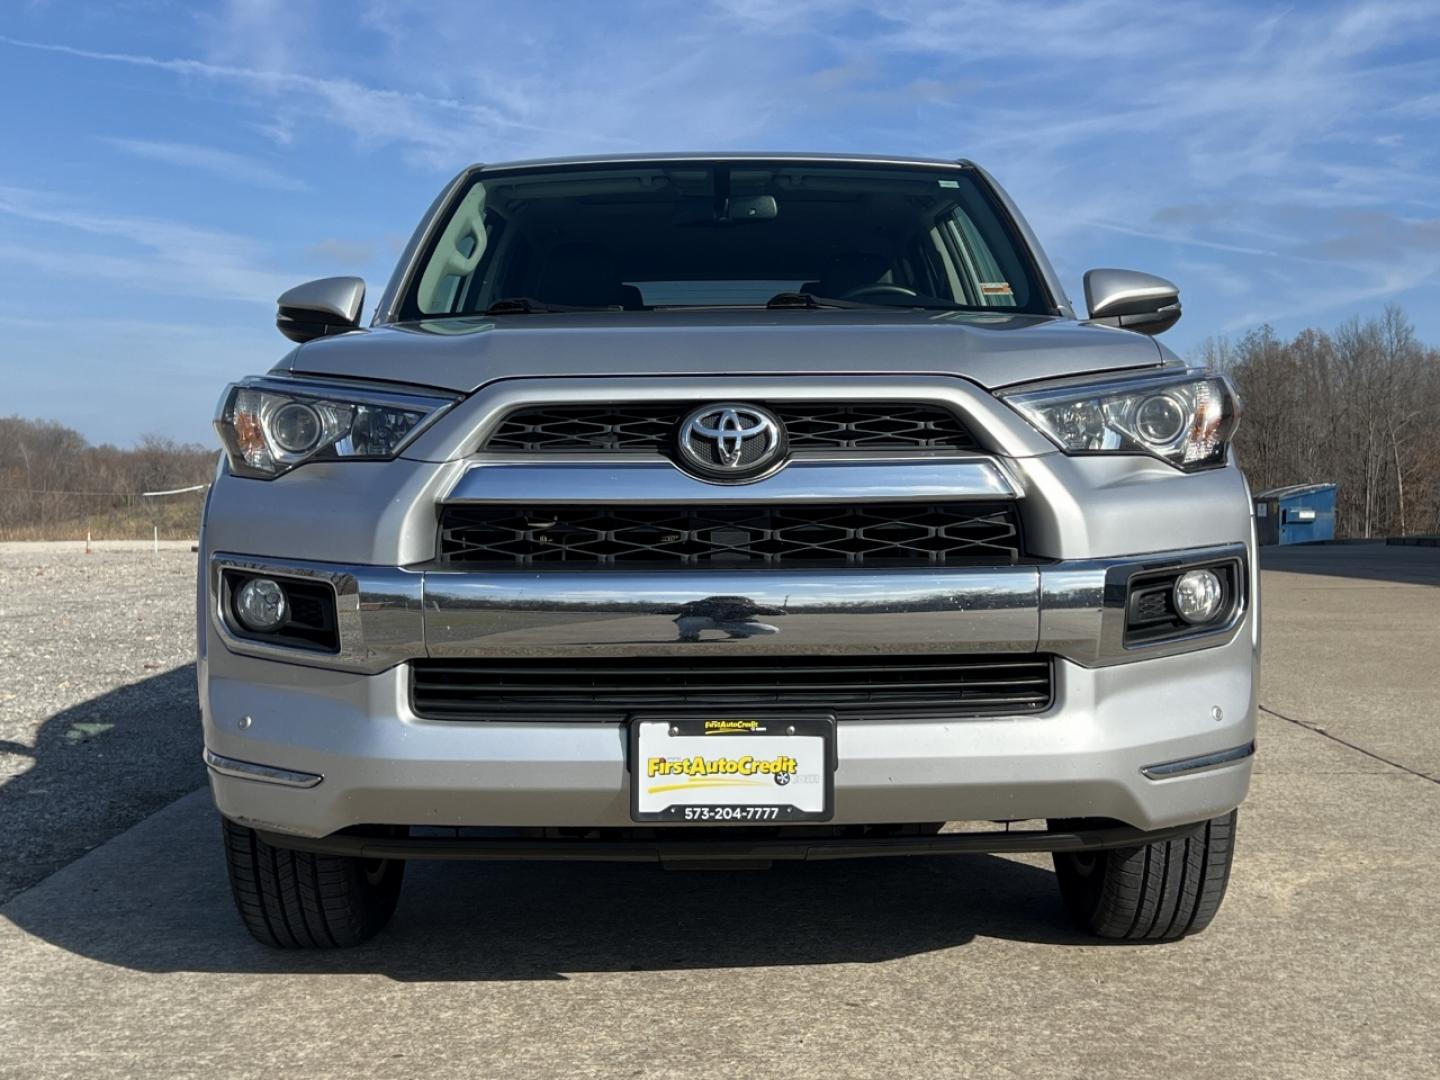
<point x="1198" y="595"/>
<point x="260" y="603"/>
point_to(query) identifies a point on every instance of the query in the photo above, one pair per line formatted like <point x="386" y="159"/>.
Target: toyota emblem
<point x="730" y="442"/>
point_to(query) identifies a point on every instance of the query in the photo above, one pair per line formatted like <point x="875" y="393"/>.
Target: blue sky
<point x="169" y="167"/>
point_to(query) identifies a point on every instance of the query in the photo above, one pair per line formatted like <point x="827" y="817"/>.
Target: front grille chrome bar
<point x="756" y="611"/>
<point x="803" y="480"/>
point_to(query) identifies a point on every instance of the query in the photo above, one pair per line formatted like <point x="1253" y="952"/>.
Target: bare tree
<point x="1359" y="407"/>
<point x="53" y="483"/>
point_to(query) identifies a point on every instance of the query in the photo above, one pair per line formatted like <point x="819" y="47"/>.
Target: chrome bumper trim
<point x="676" y="612"/>
<point x="388" y="615"/>
<point x="1082" y="606"/>
<point x="265" y="774"/>
<point x="1200" y="763"/>
<point x="802" y="480"/>
<point x="377" y="612"/>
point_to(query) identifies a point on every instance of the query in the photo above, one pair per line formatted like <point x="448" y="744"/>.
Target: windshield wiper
<point x="517" y="305"/>
<point x="524" y="305"/>
<point x="810" y="300"/>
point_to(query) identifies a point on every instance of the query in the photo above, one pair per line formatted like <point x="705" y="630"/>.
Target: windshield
<point x="741" y="234"/>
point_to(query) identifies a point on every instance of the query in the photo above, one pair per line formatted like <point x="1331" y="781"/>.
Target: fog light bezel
<point x="1141" y="631"/>
<point x="319" y="632"/>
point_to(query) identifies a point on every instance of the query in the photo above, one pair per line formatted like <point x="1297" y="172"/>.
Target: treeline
<point x="1359" y="407"/>
<point x="55" y="485"/>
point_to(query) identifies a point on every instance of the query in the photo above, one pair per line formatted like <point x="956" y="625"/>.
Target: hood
<point x="463" y="354"/>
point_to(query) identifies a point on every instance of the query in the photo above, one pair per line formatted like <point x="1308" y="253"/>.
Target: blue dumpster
<point x="1297" y="514"/>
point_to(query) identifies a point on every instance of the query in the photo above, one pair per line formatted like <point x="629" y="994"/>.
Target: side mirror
<point x="1132" y="300"/>
<point x="330" y="305"/>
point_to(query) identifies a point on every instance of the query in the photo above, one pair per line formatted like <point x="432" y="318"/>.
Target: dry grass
<point x="175" y="520"/>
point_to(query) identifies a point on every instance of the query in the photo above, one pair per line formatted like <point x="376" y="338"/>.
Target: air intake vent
<point x="851" y="687"/>
<point x="725" y="536"/>
<point x="650" y="428"/>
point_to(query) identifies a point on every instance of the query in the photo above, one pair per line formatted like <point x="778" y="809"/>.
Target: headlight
<point x="270" y="426"/>
<point x="1186" y="418"/>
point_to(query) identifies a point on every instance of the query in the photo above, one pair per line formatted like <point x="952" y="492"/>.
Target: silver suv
<point x="727" y="508"/>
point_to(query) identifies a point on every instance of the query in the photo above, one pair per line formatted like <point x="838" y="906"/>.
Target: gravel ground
<point x="98" y="714"/>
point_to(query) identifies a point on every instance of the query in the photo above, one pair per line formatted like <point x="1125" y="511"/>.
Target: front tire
<point x="1155" y="892"/>
<point x="298" y="900"/>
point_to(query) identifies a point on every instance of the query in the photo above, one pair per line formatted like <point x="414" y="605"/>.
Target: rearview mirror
<point x="1132" y="300"/>
<point x="751" y="208"/>
<point x="317" y="308"/>
<point x="730" y="211"/>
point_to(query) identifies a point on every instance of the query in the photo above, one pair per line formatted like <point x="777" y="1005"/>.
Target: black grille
<point x="726" y="535"/>
<point x="608" y="689"/>
<point x="1153" y="605"/>
<point x="650" y="427"/>
<point x="831" y="426"/>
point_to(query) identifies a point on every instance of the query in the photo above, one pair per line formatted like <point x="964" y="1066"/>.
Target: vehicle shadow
<point x="95" y="769"/>
<point x="155" y="898"/>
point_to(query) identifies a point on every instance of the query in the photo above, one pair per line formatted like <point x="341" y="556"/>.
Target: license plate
<point x="732" y="771"/>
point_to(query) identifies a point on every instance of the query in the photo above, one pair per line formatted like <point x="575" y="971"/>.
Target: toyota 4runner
<point x="717" y="508"/>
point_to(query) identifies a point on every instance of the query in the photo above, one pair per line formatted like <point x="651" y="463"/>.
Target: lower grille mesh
<point x="610" y="689"/>
<point x="726" y="535"/>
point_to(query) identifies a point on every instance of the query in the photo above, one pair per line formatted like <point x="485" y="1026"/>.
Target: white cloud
<point x="432" y="126"/>
<point x="157" y="254"/>
<point x="239" y="168"/>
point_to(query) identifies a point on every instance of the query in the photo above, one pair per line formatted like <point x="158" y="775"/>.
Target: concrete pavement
<point x="1351" y="636"/>
<point x="1323" y="961"/>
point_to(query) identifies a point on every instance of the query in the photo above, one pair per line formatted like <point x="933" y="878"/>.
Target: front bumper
<point x="1085" y="757"/>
